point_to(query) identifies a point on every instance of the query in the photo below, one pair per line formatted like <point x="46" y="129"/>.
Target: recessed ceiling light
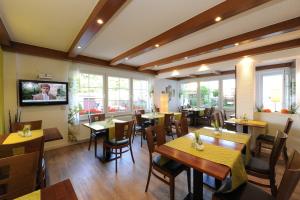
<point x="157" y="45"/>
<point x="78" y="47"/>
<point x="236" y="44"/>
<point x="217" y="19"/>
<point x="126" y="58"/>
<point x="186" y="57"/>
<point x="100" y="21"/>
<point x="203" y="68"/>
<point x="175" y="73"/>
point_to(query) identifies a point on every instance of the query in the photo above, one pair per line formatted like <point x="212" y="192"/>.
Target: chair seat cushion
<point x="247" y="191"/>
<point x="258" y="165"/>
<point x="168" y="165"/>
<point x="118" y="142"/>
<point x="267" y="138"/>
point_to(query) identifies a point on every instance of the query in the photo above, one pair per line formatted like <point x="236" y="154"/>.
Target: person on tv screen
<point x="44" y="94"/>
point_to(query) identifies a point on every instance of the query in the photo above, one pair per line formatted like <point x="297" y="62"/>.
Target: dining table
<point x="194" y="113"/>
<point x="158" y="117"/>
<point x="184" y="153"/>
<point x="107" y="128"/>
<point x="59" y="191"/>
<point x="246" y="123"/>
<point x="50" y="134"/>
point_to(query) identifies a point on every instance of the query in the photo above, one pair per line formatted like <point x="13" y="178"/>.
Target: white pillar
<point x="245" y="88"/>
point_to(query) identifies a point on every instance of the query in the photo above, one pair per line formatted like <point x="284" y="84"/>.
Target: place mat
<point x="36" y="195"/>
<point x="217" y="154"/>
<point x="14" y="138"/>
<point x="230" y="136"/>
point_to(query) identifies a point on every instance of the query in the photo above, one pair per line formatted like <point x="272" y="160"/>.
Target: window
<point x="229" y="94"/>
<point x="141" y="99"/>
<point x="90" y="94"/>
<point x="118" y="94"/>
<point x="276" y="88"/>
<point x="188" y="94"/>
<point x="209" y="93"/>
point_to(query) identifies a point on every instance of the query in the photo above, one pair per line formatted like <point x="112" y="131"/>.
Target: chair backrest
<point x="18" y="175"/>
<point x="206" y="112"/>
<point x="123" y="130"/>
<point x="96" y="117"/>
<point x="184" y="114"/>
<point x="155" y="135"/>
<point x="34" y="125"/>
<point x="212" y="110"/>
<point x="138" y="119"/>
<point x="218" y="118"/>
<point x="140" y="111"/>
<point x="290" y="177"/>
<point x="288" y="125"/>
<point x="278" y="145"/>
<point x="181" y="127"/>
<point x="168" y="121"/>
<point x="224" y="115"/>
<point x="157" y="109"/>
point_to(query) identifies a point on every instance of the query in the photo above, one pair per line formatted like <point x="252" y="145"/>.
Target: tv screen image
<point x="42" y="92"/>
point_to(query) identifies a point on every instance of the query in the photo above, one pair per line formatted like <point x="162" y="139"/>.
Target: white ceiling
<point x="46" y="23"/>
<point x="54" y="24"/>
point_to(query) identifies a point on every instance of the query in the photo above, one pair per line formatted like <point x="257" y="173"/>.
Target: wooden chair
<point x="139" y="127"/>
<point x="160" y="164"/>
<point x="207" y="116"/>
<point x="249" y="191"/>
<point x="123" y="133"/>
<point x="35" y="145"/>
<point x="34" y="125"/>
<point x="217" y="116"/>
<point x="168" y="124"/>
<point x="18" y="175"/>
<point x="95" y="134"/>
<point x="269" y="140"/>
<point x="260" y="168"/>
<point x="182" y="127"/>
<point x="140" y="112"/>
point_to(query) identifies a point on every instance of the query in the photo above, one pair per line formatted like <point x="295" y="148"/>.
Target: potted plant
<point x="73" y="119"/>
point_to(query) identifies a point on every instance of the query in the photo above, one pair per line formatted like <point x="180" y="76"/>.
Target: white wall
<point x="20" y="66"/>
<point x="160" y="85"/>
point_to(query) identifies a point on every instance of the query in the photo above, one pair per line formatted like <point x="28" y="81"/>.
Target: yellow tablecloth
<point x="217" y="154"/>
<point x="230" y="136"/>
<point x="16" y="138"/>
<point x="36" y="195"/>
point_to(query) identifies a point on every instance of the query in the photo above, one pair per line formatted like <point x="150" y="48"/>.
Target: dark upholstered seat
<point x="268" y="138"/>
<point x="258" y="165"/>
<point x="168" y="165"/>
<point x="118" y="142"/>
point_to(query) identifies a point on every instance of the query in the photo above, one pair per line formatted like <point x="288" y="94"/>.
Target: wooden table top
<point x="216" y="170"/>
<point x="101" y="125"/>
<point x="59" y="191"/>
<point x="50" y="134"/>
<point x="153" y="115"/>
<point x="253" y="123"/>
<point x="193" y="109"/>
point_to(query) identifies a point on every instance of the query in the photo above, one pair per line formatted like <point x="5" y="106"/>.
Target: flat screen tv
<point x="35" y="92"/>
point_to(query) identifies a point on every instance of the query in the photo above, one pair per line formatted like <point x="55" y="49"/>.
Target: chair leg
<point x="131" y="153"/>
<point x="142" y="135"/>
<point x="273" y="185"/>
<point x="90" y="143"/>
<point x="149" y="176"/>
<point x="188" y="174"/>
<point x="95" y="139"/>
<point x="285" y="156"/>
<point x="257" y="147"/>
<point x="116" y="162"/>
<point x="172" y="188"/>
<point x="133" y="134"/>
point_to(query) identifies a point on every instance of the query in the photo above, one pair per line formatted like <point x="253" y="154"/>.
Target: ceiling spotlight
<point x="217" y="19"/>
<point x="175" y="73"/>
<point x="186" y="58"/>
<point x="157" y="45"/>
<point x="203" y="68"/>
<point x="126" y="58"/>
<point x="100" y="21"/>
<point x="79" y="47"/>
<point x="236" y="44"/>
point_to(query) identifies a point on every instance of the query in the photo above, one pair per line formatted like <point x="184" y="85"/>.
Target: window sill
<point x="276" y="113"/>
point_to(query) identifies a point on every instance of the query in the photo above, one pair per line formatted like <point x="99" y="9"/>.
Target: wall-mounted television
<point x="35" y="92"/>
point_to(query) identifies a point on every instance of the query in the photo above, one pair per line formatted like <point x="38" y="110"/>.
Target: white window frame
<point x="149" y="87"/>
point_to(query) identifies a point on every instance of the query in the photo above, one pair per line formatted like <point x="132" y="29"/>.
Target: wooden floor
<point x="94" y="180"/>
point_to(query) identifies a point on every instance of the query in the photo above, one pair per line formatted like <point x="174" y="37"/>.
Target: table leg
<point x="197" y="185"/>
<point x="245" y="129"/>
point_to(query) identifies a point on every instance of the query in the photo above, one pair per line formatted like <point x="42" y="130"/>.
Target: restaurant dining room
<point x="150" y="99"/>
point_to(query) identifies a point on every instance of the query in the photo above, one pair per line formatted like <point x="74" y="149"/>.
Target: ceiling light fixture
<point x="100" y="21"/>
<point x="203" y="68"/>
<point x="186" y="58"/>
<point x="217" y="19"/>
<point x="175" y="73"/>
<point x="236" y="44"/>
<point x="126" y="58"/>
<point x="157" y="45"/>
<point x="78" y="47"/>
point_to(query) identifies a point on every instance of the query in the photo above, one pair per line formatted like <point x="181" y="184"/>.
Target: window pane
<point x="273" y="91"/>
<point x="141" y="99"/>
<point x="188" y="94"/>
<point x="229" y="94"/>
<point x="118" y="94"/>
<point x="209" y="93"/>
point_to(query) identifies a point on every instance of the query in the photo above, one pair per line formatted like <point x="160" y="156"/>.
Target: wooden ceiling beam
<point x="61" y="55"/>
<point x="262" y="33"/>
<point x="104" y="10"/>
<point x="250" y="52"/>
<point x="207" y="18"/>
<point x="4" y="36"/>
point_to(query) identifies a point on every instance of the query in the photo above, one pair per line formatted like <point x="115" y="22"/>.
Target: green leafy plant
<point x="293" y="108"/>
<point x="73" y="112"/>
<point x="259" y="108"/>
